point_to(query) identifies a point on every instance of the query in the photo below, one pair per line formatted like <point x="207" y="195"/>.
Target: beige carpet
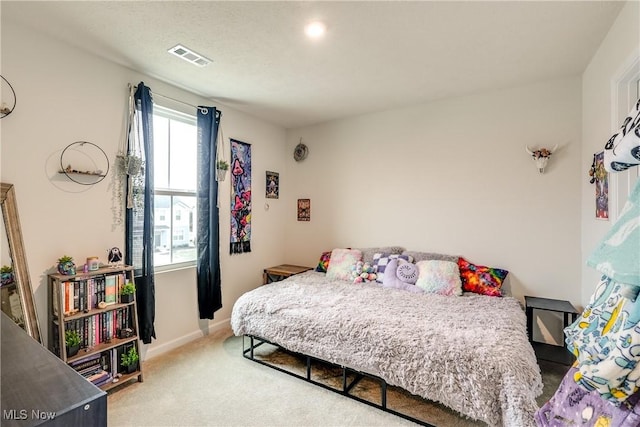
<point x="208" y="383"/>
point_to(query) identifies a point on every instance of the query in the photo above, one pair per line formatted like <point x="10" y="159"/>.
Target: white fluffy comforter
<point x="469" y="353"/>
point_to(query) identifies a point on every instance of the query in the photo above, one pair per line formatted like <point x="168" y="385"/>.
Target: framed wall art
<point x="304" y="209"/>
<point x="273" y="185"/>
<point x="602" y="187"/>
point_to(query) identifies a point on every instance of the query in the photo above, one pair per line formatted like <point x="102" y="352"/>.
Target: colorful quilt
<point x="572" y="405"/>
<point x="606" y="342"/>
<point x="606" y="338"/>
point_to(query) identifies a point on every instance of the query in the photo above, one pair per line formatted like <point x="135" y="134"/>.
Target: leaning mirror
<point x="15" y="286"/>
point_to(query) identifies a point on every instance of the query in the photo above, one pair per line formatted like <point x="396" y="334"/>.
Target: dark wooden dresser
<point x="39" y="389"/>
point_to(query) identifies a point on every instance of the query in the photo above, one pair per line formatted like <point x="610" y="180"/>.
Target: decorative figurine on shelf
<point x="66" y="266"/>
<point x="6" y="275"/>
<point x="115" y="256"/>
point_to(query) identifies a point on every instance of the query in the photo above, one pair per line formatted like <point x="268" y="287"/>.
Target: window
<point x="175" y="181"/>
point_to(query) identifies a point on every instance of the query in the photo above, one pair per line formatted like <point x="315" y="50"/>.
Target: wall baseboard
<point x="148" y="351"/>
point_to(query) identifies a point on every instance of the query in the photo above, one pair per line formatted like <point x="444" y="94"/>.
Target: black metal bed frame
<point x="347" y="387"/>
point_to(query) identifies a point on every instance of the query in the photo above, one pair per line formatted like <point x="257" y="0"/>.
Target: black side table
<point x="544" y="351"/>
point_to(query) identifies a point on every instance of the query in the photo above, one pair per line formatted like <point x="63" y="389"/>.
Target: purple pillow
<point x="408" y="274"/>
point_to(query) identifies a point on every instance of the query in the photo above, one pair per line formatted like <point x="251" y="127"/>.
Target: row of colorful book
<point x="101" y="327"/>
<point x="86" y="294"/>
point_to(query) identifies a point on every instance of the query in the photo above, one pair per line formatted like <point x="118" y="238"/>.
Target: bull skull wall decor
<point x="541" y="156"/>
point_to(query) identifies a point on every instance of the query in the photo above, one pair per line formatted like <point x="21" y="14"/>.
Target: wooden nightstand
<point x="554" y="353"/>
<point x="281" y="272"/>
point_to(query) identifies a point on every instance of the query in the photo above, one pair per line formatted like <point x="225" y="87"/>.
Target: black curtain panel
<point x="208" y="263"/>
<point x="139" y="217"/>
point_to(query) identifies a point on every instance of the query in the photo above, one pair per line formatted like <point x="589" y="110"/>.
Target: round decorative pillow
<point x="407" y="272"/>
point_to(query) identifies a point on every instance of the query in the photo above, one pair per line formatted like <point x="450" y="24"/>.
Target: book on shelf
<point x="88" y="365"/>
<point x="68" y="297"/>
<point x="99" y="376"/>
<point x="106" y="380"/>
<point x="110" y="289"/>
<point x="85" y="361"/>
<point x="76" y="297"/>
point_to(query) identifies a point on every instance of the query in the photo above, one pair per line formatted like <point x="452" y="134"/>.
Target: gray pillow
<point x="367" y="253"/>
<point x="430" y="256"/>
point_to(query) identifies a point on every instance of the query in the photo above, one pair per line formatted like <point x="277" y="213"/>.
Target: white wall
<point x="453" y="177"/>
<point x="66" y="95"/>
<point x="621" y="45"/>
<point x="450" y="176"/>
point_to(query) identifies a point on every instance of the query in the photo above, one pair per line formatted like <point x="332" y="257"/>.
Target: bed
<point x="469" y="353"/>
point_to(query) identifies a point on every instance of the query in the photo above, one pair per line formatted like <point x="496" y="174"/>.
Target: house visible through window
<point x="175" y="181"/>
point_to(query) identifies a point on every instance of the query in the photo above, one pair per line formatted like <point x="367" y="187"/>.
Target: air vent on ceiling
<point x="189" y="55"/>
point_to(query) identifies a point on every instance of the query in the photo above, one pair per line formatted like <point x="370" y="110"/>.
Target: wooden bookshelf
<point x="75" y="304"/>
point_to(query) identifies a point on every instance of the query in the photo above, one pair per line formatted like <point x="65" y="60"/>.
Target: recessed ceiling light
<point x="189" y="55"/>
<point x="315" y="29"/>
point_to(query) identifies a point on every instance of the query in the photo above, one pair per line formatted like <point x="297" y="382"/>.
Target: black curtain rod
<point x="204" y="110"/>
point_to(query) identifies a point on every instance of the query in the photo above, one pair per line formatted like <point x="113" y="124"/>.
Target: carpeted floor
<point x="208" y="383"/>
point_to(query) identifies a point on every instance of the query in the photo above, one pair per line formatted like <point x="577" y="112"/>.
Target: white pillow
<point x="342" y="263"/>
<point x="439" y="277"/>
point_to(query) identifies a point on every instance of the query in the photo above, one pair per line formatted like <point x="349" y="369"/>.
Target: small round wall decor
<point x="300" y="152"/>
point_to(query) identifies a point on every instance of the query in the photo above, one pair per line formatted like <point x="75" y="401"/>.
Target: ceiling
<point x="375" y="56"/>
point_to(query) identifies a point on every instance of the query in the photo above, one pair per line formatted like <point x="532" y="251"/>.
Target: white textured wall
<point x="621" y="45"/>
<point x="66" y="95"/>
<point x="450" y="176"/>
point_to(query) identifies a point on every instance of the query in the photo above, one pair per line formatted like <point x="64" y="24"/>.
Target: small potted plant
<point x="222" y="166"/>
<point x="72" y="341"/>
<point x="66" y="265"/>
<point x="127" y="292"/>
<point x="6" y="275"/>
<point x="129" y="360"/>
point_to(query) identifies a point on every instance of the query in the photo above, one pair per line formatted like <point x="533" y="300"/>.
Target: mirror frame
<point x="19" y="259"/>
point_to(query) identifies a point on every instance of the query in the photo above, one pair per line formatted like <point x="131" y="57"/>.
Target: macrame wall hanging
<point x="222" y="165"/>
<point x="129" y="164"/>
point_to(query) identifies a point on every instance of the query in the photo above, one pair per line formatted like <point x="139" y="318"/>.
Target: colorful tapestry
<point x="240" y="241"/>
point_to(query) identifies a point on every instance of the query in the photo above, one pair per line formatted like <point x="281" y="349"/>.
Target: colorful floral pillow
<point x="439" y="277"/>
<point x="342" y="263"/>
<point x="481" y="279"/>
<point x="381" y="260"/>
<point x="323" y="264"/>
